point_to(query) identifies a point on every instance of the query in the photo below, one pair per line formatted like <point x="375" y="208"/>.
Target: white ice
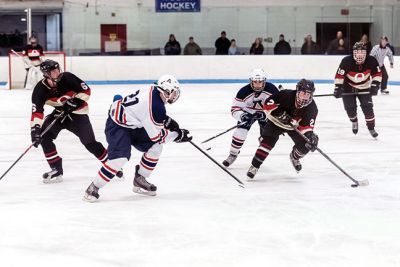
<point x="200" y="216"/>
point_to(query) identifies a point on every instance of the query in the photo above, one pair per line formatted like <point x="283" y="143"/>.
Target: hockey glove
<point x="36" y="135"/>
<point x="72" y="104"/>
<point x="338" y="91"/>
<point x="171" y="124"/>
<point x="374" y="88"/>
<point x="312" y="143"/>
<point x="183" y="136"/>
<point x="260" y="116"/>
<point x="246" y="120"/>
<point x="283" y="117"/>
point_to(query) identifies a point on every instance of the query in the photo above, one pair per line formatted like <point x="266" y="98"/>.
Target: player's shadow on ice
<point x="273" y="179"/>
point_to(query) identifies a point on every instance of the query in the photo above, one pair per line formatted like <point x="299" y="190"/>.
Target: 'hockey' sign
<point x="177" y="5"/>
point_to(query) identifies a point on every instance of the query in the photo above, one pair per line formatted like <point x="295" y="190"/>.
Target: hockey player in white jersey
<point x="139" y="120"/>
<point x="247" y="108"/>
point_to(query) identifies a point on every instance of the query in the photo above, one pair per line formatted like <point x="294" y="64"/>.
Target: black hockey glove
<point x="374" y="88"/>
<point x="35" y="135"/>
<point x="171" y="124"/>
<point x="283" y="117"/>
<point x="313" y="141"/>
<point x="338" y="91"/>
<point x="246" y="120"/>
<point x="72" y="104"/>
<point x="183" y="136"/>
<point x="260" y="116"/>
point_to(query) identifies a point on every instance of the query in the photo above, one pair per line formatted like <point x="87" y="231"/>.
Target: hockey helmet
<point x="359" y="52"/>
<point x="305" y="91"/>
<point x="258" y="75"/>
<point x="47" y="66"/>
<point x="169" y="88"/>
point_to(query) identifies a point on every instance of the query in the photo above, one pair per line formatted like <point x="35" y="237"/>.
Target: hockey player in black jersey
<point x="359" y="74"/>
<point x="66" y="92"/>
<point x="247" y="108"/>
<point x="286" y="110"/>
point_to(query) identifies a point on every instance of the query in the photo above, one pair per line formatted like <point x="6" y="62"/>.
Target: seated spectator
<point x="233" y="49"/>
<point x="192" y="48"/>
<point x="282" y="47"/>
<point x="222" y="44"/>
<point x="310" y="47"/>
<point x="257" y="48"/>
<point x="333" y="45"/>
<point x="364" y="40"/>
<point x="172" y="47"/>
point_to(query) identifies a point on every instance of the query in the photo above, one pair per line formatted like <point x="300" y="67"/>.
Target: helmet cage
<point x="305" y="91"/>
<point x="169" y="88"/>
<point x="359" y="55"/>
<point x="258" y="75"/>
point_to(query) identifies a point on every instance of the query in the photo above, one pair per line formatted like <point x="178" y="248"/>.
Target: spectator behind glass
<point x="192" y="48"/>
<point x="365" y="40"/>
<point x="282" y="47"/>
<point x="172" y="47"/>
<point x="333" y="45"/>
<point x="310" y="47"/>
<point x="222" y="44"/>
<point x="233" y="49"/>
<point x="340" y="49"/>
<point x="257" y="48"/>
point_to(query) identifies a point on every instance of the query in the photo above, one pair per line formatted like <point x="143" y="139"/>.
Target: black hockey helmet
<point x="47" y="66"/>
<point x="359" y="52"/>
<point x="305" y="91"/>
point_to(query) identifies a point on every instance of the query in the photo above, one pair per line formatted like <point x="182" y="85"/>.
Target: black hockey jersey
<point x="250" y="101"/>
<point x="285" y="100"/>
<point x="351" y="75"/>
<point x="33" y="52"/>
<point x="68" y="86"/>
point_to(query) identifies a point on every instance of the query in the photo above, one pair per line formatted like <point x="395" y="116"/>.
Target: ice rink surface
<point x="200" y="216"/>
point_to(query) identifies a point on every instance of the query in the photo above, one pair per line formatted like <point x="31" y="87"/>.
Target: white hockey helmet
<point x="256" y="76"/>
<point x="169" y="88"/>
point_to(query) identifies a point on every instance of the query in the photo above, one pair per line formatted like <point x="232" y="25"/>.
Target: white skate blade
<point x="141" y="191"/>
<point x="53" y="180"/>
<point x="89" y="198"/>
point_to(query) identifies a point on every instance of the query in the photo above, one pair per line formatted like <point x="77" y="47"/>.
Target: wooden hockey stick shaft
<point x="31" y="145"/>
<point x="219" y="165"/>
<point x="364" y="182"/>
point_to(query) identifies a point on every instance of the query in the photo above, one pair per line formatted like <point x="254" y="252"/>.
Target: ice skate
<point x="231" y="159"/>
<point x="373" y="133"/>
<point x="296" y="163"/>
<point x="91" y="193"/>
<point x="141" y="186"/>
<point x="354" y="127"/>
<point x="252" y="172"/>
<point x="53" y="176"/>
<point x="384" y="91"/>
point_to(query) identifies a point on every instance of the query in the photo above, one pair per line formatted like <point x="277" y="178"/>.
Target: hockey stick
<point x="356" y="182"/>
<point x="219" y="165"/>
<point x="31" y="145"/>
<point x="345" y="94"/>
<point x="224" y="132"/>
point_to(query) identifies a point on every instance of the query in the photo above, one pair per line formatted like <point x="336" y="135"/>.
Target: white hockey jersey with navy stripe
<point x="143" y="109"/>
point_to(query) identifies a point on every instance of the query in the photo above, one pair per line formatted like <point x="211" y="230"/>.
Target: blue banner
<point x="177" y="5"/>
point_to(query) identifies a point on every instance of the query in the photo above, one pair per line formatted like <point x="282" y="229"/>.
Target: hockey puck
<point x="354" y="185"/>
